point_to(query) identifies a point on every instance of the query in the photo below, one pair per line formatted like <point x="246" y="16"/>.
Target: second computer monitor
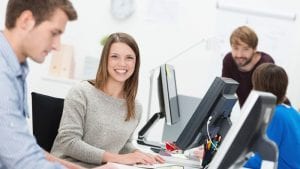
<point x="215" y="106"/>
<point x="167" y="94"/>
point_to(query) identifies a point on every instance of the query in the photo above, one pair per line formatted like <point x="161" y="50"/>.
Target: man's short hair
<point x="41" y="9"/>
<point x="244" y="34"/>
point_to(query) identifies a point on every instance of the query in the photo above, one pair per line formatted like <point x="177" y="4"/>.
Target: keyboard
<point x="182" y="161"/>
<point x="160" y="166"/>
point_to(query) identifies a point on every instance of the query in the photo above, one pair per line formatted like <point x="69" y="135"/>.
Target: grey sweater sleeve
<point x="71" y="130"/>
<point x="128" y="147"/>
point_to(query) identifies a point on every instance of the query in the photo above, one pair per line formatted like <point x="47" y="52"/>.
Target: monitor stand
<point x="266" y="149"/>
<point x="187" y="106"/>
<point x="268" y="152"/>
<point x="142" y="135"/>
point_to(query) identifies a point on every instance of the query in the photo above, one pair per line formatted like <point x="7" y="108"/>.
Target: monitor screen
<point x="215" y="106"/>
<point x="167" y="94"/>
<point x="248" y="133"/>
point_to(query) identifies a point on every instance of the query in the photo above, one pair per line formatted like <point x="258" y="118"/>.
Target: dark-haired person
<point x="243" y="59"/>
<point x="284" y="128"/>
<point x="100" y="115"/>
<point x="32" y="29"/>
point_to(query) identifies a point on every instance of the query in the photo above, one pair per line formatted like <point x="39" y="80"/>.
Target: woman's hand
<point x="136" y="157"/>
<point x="139" y="157"/>
<point x="154" y="158"/>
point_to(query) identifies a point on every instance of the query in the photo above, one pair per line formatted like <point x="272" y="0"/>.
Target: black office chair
<point x="46" y="115"/>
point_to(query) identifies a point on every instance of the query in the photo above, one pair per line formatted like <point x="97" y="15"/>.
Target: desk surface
<point x="122" y="166"/>
<point x="188" y="164"/>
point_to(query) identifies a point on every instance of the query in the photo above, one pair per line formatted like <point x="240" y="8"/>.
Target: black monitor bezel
<point x="248" y="133"/>
<point x="195" y="129"/>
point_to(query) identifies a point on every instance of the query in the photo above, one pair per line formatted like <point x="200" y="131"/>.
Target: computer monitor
<point x="215" y="106"/>
<point x="248" y="135"/>
<point x="167" y="94"/>
<point x="168" y="103"/>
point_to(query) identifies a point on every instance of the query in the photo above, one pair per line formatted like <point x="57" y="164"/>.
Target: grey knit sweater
<point x="92" y="123"/>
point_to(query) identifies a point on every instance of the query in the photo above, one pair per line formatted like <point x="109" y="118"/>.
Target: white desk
<point x="121" y="166"/>
<point x="188" y="164"/>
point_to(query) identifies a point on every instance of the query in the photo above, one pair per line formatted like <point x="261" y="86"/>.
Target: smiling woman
<point x="101" y="115"/>
<point x="121" y="63"/>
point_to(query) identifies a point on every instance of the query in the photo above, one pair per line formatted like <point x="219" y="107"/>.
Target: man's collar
<point x="11" y="58"/>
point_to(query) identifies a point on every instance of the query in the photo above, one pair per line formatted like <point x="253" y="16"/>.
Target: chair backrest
<point x="46" y="115"/>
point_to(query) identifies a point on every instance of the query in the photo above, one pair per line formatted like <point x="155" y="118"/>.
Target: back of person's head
<point x="42" y="10"/>
<point x="244" y="34"/>
<point x="271" y="78"/>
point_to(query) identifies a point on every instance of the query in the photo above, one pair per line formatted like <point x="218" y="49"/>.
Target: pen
<point x="209" y="145"/>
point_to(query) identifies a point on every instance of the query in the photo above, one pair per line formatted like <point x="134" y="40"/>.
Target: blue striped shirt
<point x="18" y="148"/>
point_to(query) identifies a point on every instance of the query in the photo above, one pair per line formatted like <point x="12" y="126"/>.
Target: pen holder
<point x="210" y="148"/>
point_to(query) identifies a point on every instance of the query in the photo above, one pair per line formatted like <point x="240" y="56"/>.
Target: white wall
<point x="277" y="26"/>
<point x="159" y="40"/>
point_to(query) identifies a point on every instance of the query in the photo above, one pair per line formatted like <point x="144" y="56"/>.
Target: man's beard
<point x="246" y="62"/>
